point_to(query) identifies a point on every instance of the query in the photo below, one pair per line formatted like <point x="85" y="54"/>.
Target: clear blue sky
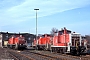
<point x="19" y="15"/>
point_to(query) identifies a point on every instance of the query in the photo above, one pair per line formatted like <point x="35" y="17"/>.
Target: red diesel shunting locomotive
<point x="17" y="42"/>
<point x="63" y="41"/>
<point x="43" y="42"/>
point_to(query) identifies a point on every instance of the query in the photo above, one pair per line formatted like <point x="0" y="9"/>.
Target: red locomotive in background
<point x="43" y="42"/>
<point x="17" y="42"/>
<point x="63" y="41"/>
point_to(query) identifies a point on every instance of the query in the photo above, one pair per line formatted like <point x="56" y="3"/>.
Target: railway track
<point x="26" y="55"/>
<point x="38" y="56"/>
<point x="4" y="55"/>
<point x="18" y="56"/>
<point x="87" y="57"/>
<point x="52" y="56"/>
<point x="61" y="56"/>
<point x="42" y="55"/>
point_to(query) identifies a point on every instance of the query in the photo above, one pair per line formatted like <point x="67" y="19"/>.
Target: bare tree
<point x="53" y="30"/>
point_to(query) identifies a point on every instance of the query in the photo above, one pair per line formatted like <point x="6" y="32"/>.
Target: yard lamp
<point x="36" y="25"/>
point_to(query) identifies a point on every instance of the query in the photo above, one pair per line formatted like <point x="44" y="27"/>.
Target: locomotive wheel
<point x="64" y="50"/>
<point x="16" y="46"/>
<point x="46" y="47"/>
<point x="49" y="47"/>
<point x="37" y="47"/>
<point x="8" y="45"/>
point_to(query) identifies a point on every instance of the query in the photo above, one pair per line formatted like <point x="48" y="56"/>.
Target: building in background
<point x="4" y="37"/>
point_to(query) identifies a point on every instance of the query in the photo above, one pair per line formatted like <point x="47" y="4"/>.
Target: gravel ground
<point x="4" y="55"/>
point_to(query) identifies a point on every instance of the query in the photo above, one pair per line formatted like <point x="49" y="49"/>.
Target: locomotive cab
<point x="74" y="46"/>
